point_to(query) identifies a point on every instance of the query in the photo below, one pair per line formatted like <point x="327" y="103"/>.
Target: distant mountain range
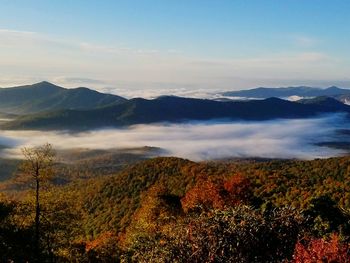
<point x="306" y="92"/>
<point x="175" y="109"/>
<point x="45" y="96"/>
<point x="52" y="107"/>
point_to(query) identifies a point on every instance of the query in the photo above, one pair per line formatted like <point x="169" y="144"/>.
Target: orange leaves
<point x="101" y="241"/>
<point x="321" y="250"/>
<point x="105" y="248"/>
<point x="205" y="193"/>
<point x="218" y="194"/>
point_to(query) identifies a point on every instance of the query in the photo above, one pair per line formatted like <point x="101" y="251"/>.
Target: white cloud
<point x="200" y="141"/>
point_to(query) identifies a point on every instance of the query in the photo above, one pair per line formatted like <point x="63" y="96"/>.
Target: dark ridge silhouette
<point x="176" y="109"/>
<point x="45" y="96"/>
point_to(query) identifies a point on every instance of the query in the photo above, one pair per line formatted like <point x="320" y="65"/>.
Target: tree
<point x="218" y="194"/>
<point x="206" y="194"/>
<point x="38" y="166"/>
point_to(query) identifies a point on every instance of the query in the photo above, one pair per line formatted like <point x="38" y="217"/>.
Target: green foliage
<point x="111" y="205"/>
<point x="327" y="217"/>
<point x="297" y="183"/>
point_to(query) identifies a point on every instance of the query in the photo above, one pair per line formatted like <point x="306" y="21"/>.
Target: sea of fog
<point x="199" y="140"/>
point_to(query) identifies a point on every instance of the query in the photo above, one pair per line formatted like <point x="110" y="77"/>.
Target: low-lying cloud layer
<point x="199" y="141"/>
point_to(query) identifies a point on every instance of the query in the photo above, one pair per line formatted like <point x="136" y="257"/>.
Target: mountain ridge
<point x="284" y="92"/>
<point x="175" y="110"/>
<point x="45" y="96"/>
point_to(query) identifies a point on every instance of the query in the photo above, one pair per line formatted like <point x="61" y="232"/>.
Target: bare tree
<point x="38" y="165"/>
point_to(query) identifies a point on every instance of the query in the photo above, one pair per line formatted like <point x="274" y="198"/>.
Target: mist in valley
<point x="199" y="140"/>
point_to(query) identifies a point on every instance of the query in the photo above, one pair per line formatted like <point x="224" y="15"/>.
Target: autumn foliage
<point x="239" y="234"/>
<point x="157" y="208"/>
<point x="322" y="250"/>
<point x="239" y="189"/>
<point x="217" y="194"/>
<point x="104" y="248"/>
<point x="205" y="193"/>
<point x="175" y="210"/>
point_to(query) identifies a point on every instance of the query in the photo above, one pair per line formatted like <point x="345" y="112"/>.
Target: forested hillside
<point x="174" y="110"/>
<point x="175" y="210"/>
<point x="45" y="106"/>
<point x="45" y="96"/>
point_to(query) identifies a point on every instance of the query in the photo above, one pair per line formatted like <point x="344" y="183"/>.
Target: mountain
<point x="174" y="109"/>
<point x="301" y="91"/>
<point x="325" y="101"/>
<point x="45" y="96"/>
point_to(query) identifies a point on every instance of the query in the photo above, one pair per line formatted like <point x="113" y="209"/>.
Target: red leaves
<point x="321" y="250"/>
<point x="239" y="189"/>
<point x="218" y="194"/>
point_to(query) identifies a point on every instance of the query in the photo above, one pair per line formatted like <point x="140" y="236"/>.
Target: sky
<point x="115" y="45"/>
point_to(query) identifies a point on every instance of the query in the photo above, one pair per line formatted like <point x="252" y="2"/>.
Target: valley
<point x="174" y="131"/>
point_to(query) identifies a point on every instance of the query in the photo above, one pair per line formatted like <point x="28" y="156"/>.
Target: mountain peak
<point x="333" y="88"/>
<point x="45" y="84"/>
<point x="45" y="96"/>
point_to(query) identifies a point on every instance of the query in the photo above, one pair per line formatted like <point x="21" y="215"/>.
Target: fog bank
<point x="199" y="141"/>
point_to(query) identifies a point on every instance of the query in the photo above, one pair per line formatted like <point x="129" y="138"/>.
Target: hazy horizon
<point x="152" y="93"/>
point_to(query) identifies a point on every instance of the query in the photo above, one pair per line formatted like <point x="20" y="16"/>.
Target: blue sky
<point x="154" y="44"/>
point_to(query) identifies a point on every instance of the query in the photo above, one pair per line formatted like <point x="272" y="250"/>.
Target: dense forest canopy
<point x="176" y="210"/>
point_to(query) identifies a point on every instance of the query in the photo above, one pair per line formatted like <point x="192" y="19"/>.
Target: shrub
<point x="239" y="234"/>
<point x="322" y="250"/>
